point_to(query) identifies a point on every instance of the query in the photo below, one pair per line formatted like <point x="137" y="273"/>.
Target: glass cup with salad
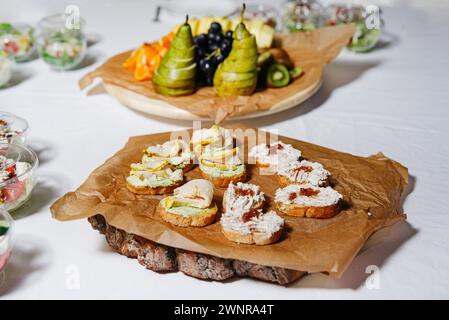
<point x="17" y="175"/>
<point x="365" y="38"/>
<point x="6" y="68"/>
<point x="6" y="227"/>
<point x="17" y="40"/>
<point x="302" y="15"/>
<point x="61" y="45"/>
<point x="13" y="129"/>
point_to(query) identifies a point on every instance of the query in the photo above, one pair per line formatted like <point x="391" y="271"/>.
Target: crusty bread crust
<point x="223" y="182"/>
<point x="308" y="211"/>
<point x="153" y="191"/>
<point x="258" y="238"/>
<point x="199" y="220"/>
<point x="261" y="164"/>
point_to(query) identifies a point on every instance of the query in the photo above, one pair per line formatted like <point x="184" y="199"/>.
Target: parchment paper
<point x="309" y="50"/>
<point x="371" y="187"/>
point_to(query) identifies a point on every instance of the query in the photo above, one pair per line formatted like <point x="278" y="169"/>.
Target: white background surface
<point x="393" y="100"/>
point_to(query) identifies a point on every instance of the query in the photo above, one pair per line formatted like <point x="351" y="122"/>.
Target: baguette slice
<point x="206" y="217"/>
<point x="153" y="191"/>
<point x="257" y="238"/>
<point x="223" y="182"/>
<point x="252" y="226"/>
<point x="307" y="200"/>
<point x="309" y="211"/>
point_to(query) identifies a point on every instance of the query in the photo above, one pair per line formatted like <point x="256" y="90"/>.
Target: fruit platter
<point x="221" y="68"/>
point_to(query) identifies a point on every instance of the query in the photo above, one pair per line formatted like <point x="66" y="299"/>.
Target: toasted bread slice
<point x="257" y="238"/>
<point x="309" y="211"/>
<point x="261" y="164"/>
<point x="307" y="200"/>
<point x="206" y="217"/>
<point x="153" y="191"/>
<point x="223" y="182"/>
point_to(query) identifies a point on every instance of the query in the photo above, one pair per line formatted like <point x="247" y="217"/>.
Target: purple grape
<point x="215" y="27"/>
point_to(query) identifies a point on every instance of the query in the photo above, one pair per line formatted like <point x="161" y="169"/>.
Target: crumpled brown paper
<point x="371" y="187"/>
<point x="309" y="50"/>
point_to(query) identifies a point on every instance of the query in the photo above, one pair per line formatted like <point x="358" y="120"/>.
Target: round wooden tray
<point x="164" y="109"/>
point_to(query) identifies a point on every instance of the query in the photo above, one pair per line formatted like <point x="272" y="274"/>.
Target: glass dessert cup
<point x="366" y="36"/>
<point x="267" y="13"/>
<point x="6" y="227"/>
<point x="61" y="47"/>
<point x="302" y="15"/>
<point x="17" y="175"/>
<point x="13" y="129"/>
<point x="17" y="40"/>
<point x="6" y="68"/>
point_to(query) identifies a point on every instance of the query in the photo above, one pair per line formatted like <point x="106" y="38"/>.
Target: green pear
<point x="233" y="76"/>
<point x="175" y="84"/>
<point x="245" y="43"/>
<point x="174" y="92"/>
<point x="237" y="75"/>
<point x="175" y="76"/>
<point x="243" y="53"/>
<point x="178" y="74"/>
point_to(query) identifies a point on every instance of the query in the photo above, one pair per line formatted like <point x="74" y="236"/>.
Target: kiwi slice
<point x="278" y="76"/>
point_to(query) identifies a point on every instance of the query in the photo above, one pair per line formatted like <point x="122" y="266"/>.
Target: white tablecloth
<point x="392" y="100"/>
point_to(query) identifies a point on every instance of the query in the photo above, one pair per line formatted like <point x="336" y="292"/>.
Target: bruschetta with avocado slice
<point x="214" y="136"/>
<point x="153" y="177"/>
<point x="176" y="152"/>
<point x="191" y="205"/>
<point x="222" y="166"/>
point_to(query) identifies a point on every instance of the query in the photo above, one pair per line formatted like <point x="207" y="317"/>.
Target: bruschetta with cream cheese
<point x="244" y="220"/>
<point x="242" y="196"/>
<point x="307" y="200"/>
<point x="269" y="155"/>
<point x="302" y="172"/>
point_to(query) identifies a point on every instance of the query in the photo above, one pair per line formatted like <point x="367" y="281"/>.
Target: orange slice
<point x="154" y="63"/>
<point x="130" y="63"/>
<point x="143" y="72"/>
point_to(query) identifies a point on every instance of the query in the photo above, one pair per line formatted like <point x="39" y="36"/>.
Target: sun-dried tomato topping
<point x="303" y="168"/>
<point x="247" y="216"/>
<point x="308" y="192"/>
<point x="274" y="149"/>
<point x="196" y="196"/>
<point x="243" y="192"/>
<point x="292" y="196"/>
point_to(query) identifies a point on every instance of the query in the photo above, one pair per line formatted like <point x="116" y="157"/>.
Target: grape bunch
<point x="211" y="50"/>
